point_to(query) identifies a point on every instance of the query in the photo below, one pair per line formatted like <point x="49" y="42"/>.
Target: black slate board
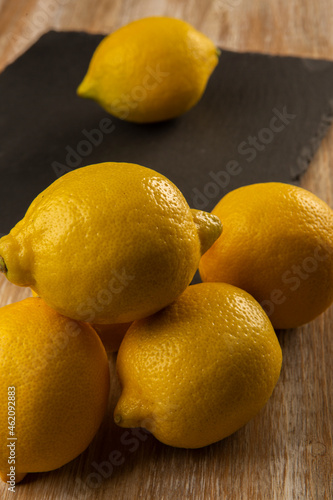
<point x="206" y="152"/>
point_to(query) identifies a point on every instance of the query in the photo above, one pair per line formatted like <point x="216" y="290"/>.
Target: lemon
<point x="55" y="377"/>
<point x="150" y="70"/>
<point x="110" y="335"/>
<point x="198" y="370"/>
<point x="277" y="244"/>
<point x="108" y="243"/>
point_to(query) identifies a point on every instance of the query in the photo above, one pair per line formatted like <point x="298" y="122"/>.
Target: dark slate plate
<point x="261" y="119"/>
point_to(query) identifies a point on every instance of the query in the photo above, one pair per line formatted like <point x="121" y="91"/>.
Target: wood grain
<point x="286" y="451"/>
<point x="285" y="27"/>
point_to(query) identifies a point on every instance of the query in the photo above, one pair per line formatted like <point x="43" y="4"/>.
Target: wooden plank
<point x="286" y="27"/>
<point x="286" y="451"/>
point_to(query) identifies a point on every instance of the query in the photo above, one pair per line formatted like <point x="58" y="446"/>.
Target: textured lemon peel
<point x="170" y="405"/>
<point x="108" y="83"/>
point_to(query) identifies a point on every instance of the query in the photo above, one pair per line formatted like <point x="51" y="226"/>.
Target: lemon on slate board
<point x="150" y="70"/>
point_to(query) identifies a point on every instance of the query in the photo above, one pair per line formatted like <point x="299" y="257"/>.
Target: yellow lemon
<point x="108" y="243"/>
<point x="198" y="370"/>
<point x="54" y="385"/>
<point x="110" y="335"/>
<point x="150" y="70"/>
<point x="277" y="244"/>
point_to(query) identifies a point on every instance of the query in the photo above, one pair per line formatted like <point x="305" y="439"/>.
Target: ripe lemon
<point x="110" y="335"/>
<point x="277" y="244"/>
<point x="108" y="243"/>
<point x="150" y="70"/>
<point x="198" y="370"/>
<point x="57" y="374"/>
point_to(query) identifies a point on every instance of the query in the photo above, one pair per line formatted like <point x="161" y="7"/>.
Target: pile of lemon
<point x="110" y="250"/>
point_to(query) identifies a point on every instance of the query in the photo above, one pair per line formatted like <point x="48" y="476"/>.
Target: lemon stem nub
<point x="3" y="267"/>
<point x="209" y="228"/>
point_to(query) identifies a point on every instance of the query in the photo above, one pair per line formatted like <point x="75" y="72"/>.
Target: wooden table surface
<point x="286" y="451"/>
